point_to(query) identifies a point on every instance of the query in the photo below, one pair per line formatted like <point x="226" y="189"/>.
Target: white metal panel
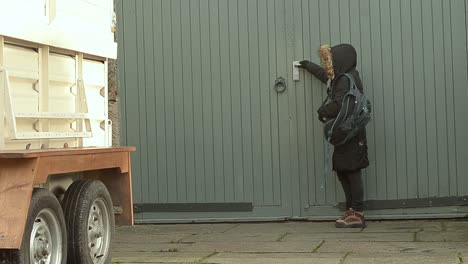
<point x="80" y="25"/>
<point x="56" y="100"/>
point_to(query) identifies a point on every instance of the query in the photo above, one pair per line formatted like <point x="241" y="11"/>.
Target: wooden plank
<point x="324" y="38"/>
<point x="226" y="100"/>
<point x="409" y="99"/>
<point x="430" y="103"/>
<point x="198" y="100"/>
<point x="131" y="78"/>
<point x="151" y="171"/>
<point x="289" y="114"/>
<point x="121" y="70"/>
<point x="421" y="128"/>
<point x="388" y="106"/>
<point x="317" y="92"/>
<point x="301" y="35"/>
<point x="49" y="165"/>
<point x="245" y="101"/>
<point x="207" y="100"/>
<point x="378" y="100"/>
<point x="308" y="183"/>
<point x="18" y="176"/>
<point x="141" y="179"/>
<point x="119" y="185"/>
<point x="272" y="37"/>
<point x="441" y="99"/>
<point x="459" y="45"/>
<point x="367" y="66"/>
<point x="160" y="119"/>
<point x="16" y="185"/>
<point x="355" y="38"/>
<point x="450" y="115"/>
<point x="333" y="186"/>
<point x="179" y="94"/>
<point x="398" y="100"/>
<point x="188" y="102"/>
<point x="254" y="63"/>
<point x="221" y="116"/>
<point x="265" y="92"/>
<point x="236" y="85"/>
<point x="283" y="116"/>
<point x="344" y="9"/>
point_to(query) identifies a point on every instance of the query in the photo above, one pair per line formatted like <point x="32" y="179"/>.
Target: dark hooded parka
<point x="352" y="155"/>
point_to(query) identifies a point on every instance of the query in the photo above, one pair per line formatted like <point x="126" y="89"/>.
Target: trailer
<point x="63" y="187"/>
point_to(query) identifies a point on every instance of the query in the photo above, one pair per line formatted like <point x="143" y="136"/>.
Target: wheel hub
<point x="98" y="231"/>
<point x="46" y="239"/>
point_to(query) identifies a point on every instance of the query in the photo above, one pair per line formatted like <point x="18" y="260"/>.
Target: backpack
<point x="354" y="115"/>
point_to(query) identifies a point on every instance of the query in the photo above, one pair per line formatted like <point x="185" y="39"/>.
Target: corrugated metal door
<point x="198" y="102"/>
<point x="413" y="59"/>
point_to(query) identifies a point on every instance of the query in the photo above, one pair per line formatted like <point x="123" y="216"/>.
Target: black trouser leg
<point x="353" y="189"/>
<point x="343" y="177"/>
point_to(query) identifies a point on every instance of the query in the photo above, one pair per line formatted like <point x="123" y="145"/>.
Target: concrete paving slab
<point x="370" y="237"/>
<point x="158" y="257"/>
<point x="402" y="258"/>
<point x="147" y="247"/>
<point x="455" y="226"/>
<point x="401" y="226"/>
<point x="293" y="242"/>
<point x="176" y="228"/>
<point x="393" y="247"/>
<point x="291" y="227"/>
<point x="253" y="247"/>
<point x="150" y="238"/>
<point x="442" y="236"/>
<point x="274" y="258"/>
<point x="236" y="237"/>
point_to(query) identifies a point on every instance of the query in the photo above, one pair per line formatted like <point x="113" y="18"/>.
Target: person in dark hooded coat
<point x="351" y="157"/>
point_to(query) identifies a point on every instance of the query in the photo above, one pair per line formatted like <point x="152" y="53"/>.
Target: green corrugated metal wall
<point x="197" y="99"/>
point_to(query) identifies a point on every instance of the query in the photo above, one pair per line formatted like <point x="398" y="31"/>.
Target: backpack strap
<point x="350" y="78"/>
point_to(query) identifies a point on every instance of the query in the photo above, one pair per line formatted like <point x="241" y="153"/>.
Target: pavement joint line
<point x="343" y="259"/>
<point x="180" y="240"/>
<point x="282" y="236"/>
<point x="460" y="258"/>
<point x="206" y="257"/>
<point x="230" y="228"/>
<point x="415" y="235"/>
<point x="443" y="226"/>
<point x="318" y="246"/>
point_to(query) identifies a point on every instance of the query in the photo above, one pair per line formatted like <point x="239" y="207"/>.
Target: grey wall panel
<point x="412" y="57"/>
<point x="197" y="100"/>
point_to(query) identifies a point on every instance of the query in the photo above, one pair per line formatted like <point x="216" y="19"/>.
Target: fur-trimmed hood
<point x="338" y="59"/>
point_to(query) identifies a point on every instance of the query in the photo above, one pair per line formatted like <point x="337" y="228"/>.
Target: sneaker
<point x="354" y="220"/>
<point x="347" y="213"/>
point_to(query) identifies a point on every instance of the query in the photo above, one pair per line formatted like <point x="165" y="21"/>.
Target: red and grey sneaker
<point x="354" y="220"/>
<point x="347" y="213"/>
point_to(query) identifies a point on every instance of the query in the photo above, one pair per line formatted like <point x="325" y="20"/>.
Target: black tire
<point x="83" y="199"/>
<point x="43" y="210"/>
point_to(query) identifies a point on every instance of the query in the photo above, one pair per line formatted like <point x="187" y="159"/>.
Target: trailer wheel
<point x="89" y="216"/>
<point x="45" y="235"/>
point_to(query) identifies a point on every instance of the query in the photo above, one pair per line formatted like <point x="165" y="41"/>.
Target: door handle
<point x="280" y="85"/>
